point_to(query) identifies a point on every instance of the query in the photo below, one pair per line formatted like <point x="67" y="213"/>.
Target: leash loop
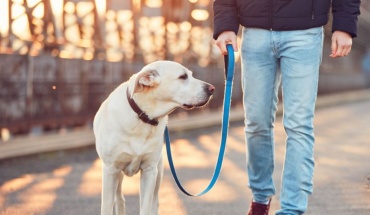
<point x="229" y="74"/>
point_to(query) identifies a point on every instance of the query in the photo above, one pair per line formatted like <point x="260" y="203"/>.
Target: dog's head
<point x="171" y="84"/>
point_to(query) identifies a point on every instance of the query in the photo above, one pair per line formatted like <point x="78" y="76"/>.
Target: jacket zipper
<point x="271" y="14"/>
<point x="313" y="10"/>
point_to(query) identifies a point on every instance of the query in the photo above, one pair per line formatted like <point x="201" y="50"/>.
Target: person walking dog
<point x="282" y="42"/>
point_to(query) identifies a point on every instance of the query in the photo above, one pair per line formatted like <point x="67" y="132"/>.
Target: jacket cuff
<point x="226" y="18"/>
<point x="345" y="24"/>
<point x="222" y="26"/>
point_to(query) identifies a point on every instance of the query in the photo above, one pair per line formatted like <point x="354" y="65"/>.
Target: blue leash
<point x="229" y="73"/>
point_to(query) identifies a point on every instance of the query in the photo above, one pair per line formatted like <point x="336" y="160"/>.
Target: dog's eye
<point x="184" y="76"/>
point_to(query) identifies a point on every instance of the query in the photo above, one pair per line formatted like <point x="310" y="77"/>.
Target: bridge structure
<point x="60" y="58"/>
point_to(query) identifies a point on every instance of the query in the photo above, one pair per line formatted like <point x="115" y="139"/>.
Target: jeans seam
<point x="272" y="121"/>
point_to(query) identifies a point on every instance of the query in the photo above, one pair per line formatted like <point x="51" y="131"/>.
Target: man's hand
<point x="226" y="37"/>
<point x="341" y="44"/>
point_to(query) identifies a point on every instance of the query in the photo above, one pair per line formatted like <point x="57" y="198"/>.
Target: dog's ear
<point x="144" y="79"/>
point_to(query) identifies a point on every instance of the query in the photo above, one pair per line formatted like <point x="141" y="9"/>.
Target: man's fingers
<point x="341" y="51"/>
<point x="334" y="47"/>
<point x="227" y="37"/>
<point x="233" y="43"/>
<point x="221" y="44"/>
<point x="341" y="44"/>
<point x="346" y="48"/>
<point x="235" y="46"/>
<point x="348" y="51"/>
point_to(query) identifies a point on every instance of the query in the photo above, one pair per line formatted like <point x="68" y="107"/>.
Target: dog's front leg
<point x="120" y="199"/>
<point x="147" y="185"/>
<point x="158" y="182"/>
<point x="110" y="184"/>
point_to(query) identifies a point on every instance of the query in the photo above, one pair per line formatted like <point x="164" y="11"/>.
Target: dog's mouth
<point x="188" y="107"/>
<point x="191" y="106"/>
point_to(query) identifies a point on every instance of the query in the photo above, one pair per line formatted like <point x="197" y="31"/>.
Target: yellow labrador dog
<point x="129" y="129"/>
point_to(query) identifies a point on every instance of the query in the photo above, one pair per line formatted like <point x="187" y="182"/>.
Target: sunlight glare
<point x="4" y="21"/>
<point x="200" y="15"/>
<point x="40" y="196"/>
<point x="168" y="193"/>
<point x="38" y="12"/>
<point x="83" y="8"/>
<point x="154" y="3"/>
<point x="62" y="171"/>
<point x="5" y="134"/>
<point x="172" y="27"/>
<point x="32" y="3"/>
<point x="69" y="7"/>
<point x="221" y="192"/>
<point x="57" y="7"/>
<point x="17" y="184"/>
<point x="124" y="16"/>
<point x="91" y="180"/>
<point x="187" y="155"/>
<point x="17" y="10"/>
<point x="101" y="7"/>
<point x="185" y="26"/>
<point x="57" y="10"/>
<point x="21" y="29"/>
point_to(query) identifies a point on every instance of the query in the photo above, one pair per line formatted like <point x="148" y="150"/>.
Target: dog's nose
<point x="211" y="88"/>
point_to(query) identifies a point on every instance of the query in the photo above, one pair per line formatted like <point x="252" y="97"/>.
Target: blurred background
<point x="59" y="59"/>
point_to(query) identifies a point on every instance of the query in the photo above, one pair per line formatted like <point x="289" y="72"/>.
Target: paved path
<point x="69" y="182"/>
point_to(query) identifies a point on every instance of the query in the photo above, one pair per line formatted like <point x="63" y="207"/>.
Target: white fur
<point x="126" y="145"/>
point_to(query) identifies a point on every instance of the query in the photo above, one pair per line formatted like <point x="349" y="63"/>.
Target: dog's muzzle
<point x="208" y="89"/>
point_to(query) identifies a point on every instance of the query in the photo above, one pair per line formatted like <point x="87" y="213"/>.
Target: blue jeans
<point x="292" y="58"/>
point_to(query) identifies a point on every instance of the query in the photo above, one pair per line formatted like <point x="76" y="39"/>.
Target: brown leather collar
<point x="141" y="114"/>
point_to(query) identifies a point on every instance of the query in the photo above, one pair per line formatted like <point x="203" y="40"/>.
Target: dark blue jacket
<point x="280" y="15"/>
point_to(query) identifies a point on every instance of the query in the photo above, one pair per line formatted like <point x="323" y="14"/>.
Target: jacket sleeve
<point x="226" y="17"/>
<point x="345" y="16"/>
